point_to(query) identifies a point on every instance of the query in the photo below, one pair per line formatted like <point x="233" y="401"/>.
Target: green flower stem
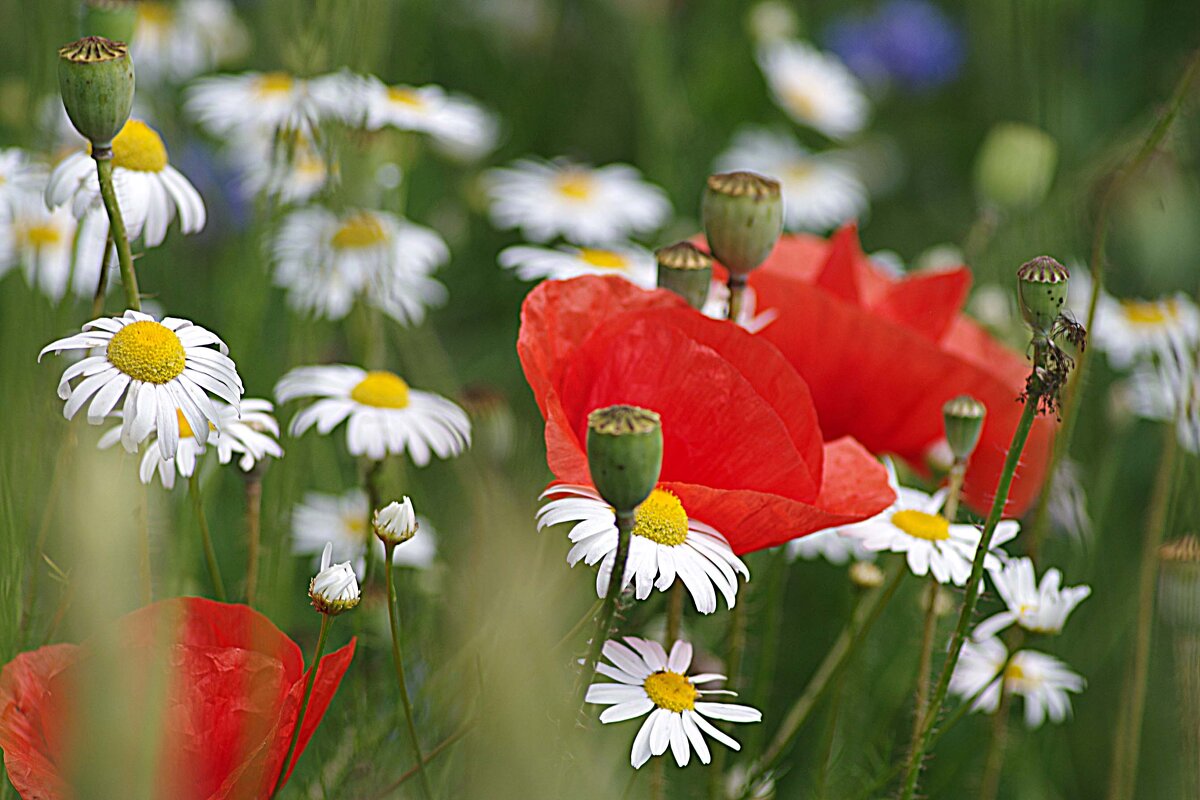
<point x="990" y="783"/>
<point x="971" y="597"/>
<point x="102" y="282"/>
<point x="441" y="747"/>
<point x="398" y="662"/>
<point x="1113" y="190"/>
<point x="625" y="523"/>
<point x="210" y="555"/>
<point x="737" y="297"/>
<point x="253" y="490"/>
<point x="592" y="611"/>
<point x="674" y="614"/>
<point x="374" y="499"/>
<point x="116" y="227"/>
<point x="326" y="622"/>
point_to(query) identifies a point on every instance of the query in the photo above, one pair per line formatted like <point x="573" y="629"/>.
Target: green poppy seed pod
<point x="1042" y="291"/>
<point x="1179" y="583"/>
<point x="95" y="77"/>
<point x="963" y="418"/>
<point x="624" y="449"/>
<point x="743" y="218"/>
<point x="1015" y="166"/>
<point x="112" y="19"/>
<point x="686" y="270"/>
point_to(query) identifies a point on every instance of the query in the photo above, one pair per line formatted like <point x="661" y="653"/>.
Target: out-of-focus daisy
<point x="1128" y="331"/>
<point x="1043" y="680"/>
<point x="162" y="369"/>
<point x="820" y="190"/>
<point x="327" y="261"/>
<point x="41" y="242"/>
<point x="292" y="171"/>
<point x="913" y="525"/>
<point x="176" y="41"/>
<point x="717" y="307"/>
<point x="814" y="88"/>
<point x="583" y="204"/>
<point x="830" y="545"/>
<point x="649" y="681"/>
<point x="385" y="416"/>
<point x="258" y="103"/>
<point x="666" y="544"/>
<point x="1038" y="608"/>
<point x="634" y="263"/>
<point x="19" y="176"/>
<point x="1167" y="389"/>
<point x="1068" y="505"/>
<point x="341" y="520"/>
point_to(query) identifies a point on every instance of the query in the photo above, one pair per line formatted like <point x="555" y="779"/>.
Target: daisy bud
<point x="95" y="77"/>
<point x="1041" y="291"/>
<point x="743" y="218"/>
<point x="1015" y="166"/>
<point x="866" y="575"/>
<point x="335" y="588"/>
<point x="686" y="270"/>
<point x="624" y="449"/>
<point x="396" y="523"/>
<point x="112" y="19"/>
<point x="963" y="418"/>
<point x="1179" y="583"/>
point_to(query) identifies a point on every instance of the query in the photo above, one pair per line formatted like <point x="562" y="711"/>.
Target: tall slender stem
<point x="1020" y="435"/>
<point x="674" y="613"/>
<point x="374" y="500"/>
<point x="990" y="783"/>
<point x="102" y="281"/>
<point x="326" y="622"/>
<point x="737" y="297"/>
<point x="625" y="523"/>
<point x="398" y="662"/>
<point x="116" y="228"/>
<point x="253" y="533"/>
<point x="210" y="555"/>
<point x="440" y="748"/>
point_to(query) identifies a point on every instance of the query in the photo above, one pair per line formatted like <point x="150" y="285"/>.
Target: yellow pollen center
<point x="1013" y="672"/>
<point x="381" y="389"/>
<point x="42" y="235"/>
<point x="360" y="230"/>
<point x="1150" y="312"/>
<point x="270" y="83"/>
<point x="671" y="691"/>
<point x="147" y="351"/>
<point x="604" y="259"/>
<point x="931" y="527"/>
<point x="185" y="430"/>
<point x="575" y="185"/>
<point x="405" y="96"/>
<point x="661" y="518"/>
<point x="139" y="148"/>
<point x="356" y="526"/>
<point x="799" y="170"/>
<point x="154" y="13"/>
<point x="801" y="103"/>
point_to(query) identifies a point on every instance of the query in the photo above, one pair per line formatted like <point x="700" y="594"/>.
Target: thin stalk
<point x="398" y="663"/>
<point x="210" y="555"/>
<point x="835" y="706"/>
<point x="592" y="611"/>
<point x="625" y="523"/>
<point x="737" y="297"/>
<point x="989" y="785"/>
<point x="674" y="614"/>
<point x="326" y="622"/>
<point x="441" y="747"/>
<point x="971" y="597"/>
<point x="102" y="282"/>
<point x="253" y="490"/>
<point x="116" y="227"/>
<point x="374" y="500"/>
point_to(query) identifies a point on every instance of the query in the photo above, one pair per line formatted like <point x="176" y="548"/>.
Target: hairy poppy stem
<point x="210" y="554"/>
<point x="625" y="522"/>
<point x="116" y="228"/>
<point x="326" y="622"/>
<point x="398" y="663"/>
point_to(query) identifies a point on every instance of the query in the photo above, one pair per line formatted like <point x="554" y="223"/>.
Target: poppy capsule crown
<point x="1042" y="291"/>
<point x="624" y="451"/>
<point x="95" y="78"/>
<point x="686" y="270"/>
<point x="963" y="417"/>
<point x="743" y="218"/>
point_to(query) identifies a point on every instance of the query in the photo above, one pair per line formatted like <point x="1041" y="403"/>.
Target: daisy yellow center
<point x="42" y="235"/>
<point x="270" y="83"/>
<point x="405" y="96"/>
<point x="356" y="527"/>
<point x="381" y="389"/>
<point x="931" y="527"/>
<point x="185" y="430"/>
<point x="671" y="691"/>
<point x="575" y="185"/>
<point x="604" y="259"/>
<point x="147" y="351"/>
<point x="1150" y="313"/>
<point x="359" y="231"/>
<point x="154" y="13"/>
<point x="801" y="102"/>
<point x="137" y="147"/>
<point x="799" y="170"/>
<point x="661" y="518"/>
<point x="1013" y="672"/>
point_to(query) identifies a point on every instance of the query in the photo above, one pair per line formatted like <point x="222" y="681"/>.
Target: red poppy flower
<point x="882" y="354"/>
<point x="741" y="446"/>
<point x="235" y="687"/>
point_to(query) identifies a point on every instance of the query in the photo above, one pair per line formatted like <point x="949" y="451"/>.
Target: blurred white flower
<point x="830" y="545"/>
<point x="341" y="520"/>
<point x="263" y="104"/>
<point x="20" y="175"/>
<point x="176" y="41"/>
<point x="41" y="242"/>
<point x="1167" y="389"/>
<point x="334" y="589"/>
<point x="814" y="88"/>
<point x="1043" y="680"/>
<point x="290" y="168"/>
<point x="1134" y="331"/>
<point x="1038" y="608"/>
<point x="1068" y="505"/>
<point x="635" y="264"/>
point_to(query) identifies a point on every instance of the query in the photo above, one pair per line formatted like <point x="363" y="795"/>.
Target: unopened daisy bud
<point x="1179" y="583"/>
<point x="686" y="270"/>
<point x="1042" y="291"/>
<point x="866" y="575"/>
<point x="335" y="588"/>
<point x="396" y="523"/>
<point x="95" y="77"/>
<point x="112" y="19"/>
<point x="963" y="418"/>
<point x="624" y="449"/>
<point x="743" y="218"/>
<point x="1015" y="166"/>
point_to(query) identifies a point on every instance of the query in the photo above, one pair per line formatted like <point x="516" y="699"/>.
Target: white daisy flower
<point x="386" y="417"/>
<point x="1043" y="680"/>
<point x="583" y="204"/>
<point x="162" y="369"/>
<point x="820" y="190"/>
<point x="327" y="261"/>
<point x="341" y="520"/>
<point x="666" y="544"/>
<point x="19" y="176"/>
<point x="913" y="525"/>
<point x="41" y="242"/>
<point x="814" y="88"/>
<point x="1131" y="331"/>
<point x="149" y="190"/>
<point x="334" y="588"/>
<point x="176" y="41"/>
<point x="1068" y="505"/>
<point x="292" y="172"/>
<point x="648" y="681"/>
<point x="259" y="103"/>
<point x="717" y="307"/>
<point x="830" y="545"/>
<point x="1167" y="389"/>
<point x="184" y="462"/>
<point x="636" y="264"/>
<point x="1038" y="608"/>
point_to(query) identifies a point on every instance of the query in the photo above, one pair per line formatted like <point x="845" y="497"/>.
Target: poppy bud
<point x="1042" y="291"/>
<point x="335" y="588"/>
<point x="743" y="218"/>
<point x="963" y="418"/>
<point x="686" y="270"/>
<point x="624" y="450"/>
<point x="1179" y="583"/>
<point x="1015" y="166"/>
<point x="95" y="77"/>
<point x="396" y="523"/>
<point x="112" y="19"/>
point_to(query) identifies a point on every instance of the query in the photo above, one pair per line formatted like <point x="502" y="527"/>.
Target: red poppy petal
<point x="24" y="689"/>
<point x="926" y="302"/>
<point x="839" y="274"/>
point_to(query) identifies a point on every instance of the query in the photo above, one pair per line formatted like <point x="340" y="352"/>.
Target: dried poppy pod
<point x="1042" y="292"/>
<point x="686" y="270"/>
<point x="743" y="218"/>
<point x="624" y="452"/>
<point x="95" y="78"/>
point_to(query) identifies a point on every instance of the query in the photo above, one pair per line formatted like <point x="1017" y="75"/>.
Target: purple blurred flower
<point x="912" y="43"/>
